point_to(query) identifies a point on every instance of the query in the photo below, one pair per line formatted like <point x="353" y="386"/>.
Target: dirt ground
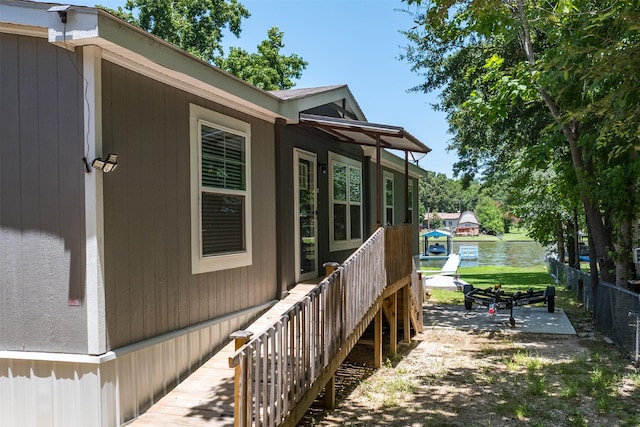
<point x="451" y="377"/>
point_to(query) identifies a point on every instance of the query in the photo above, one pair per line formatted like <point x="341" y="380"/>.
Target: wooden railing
<point x="401" y="270"/>
<point x="398" y="252"/>
<point x="277" y="368"/>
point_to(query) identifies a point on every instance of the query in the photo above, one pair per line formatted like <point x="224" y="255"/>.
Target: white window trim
<point x="349" y="243"/>
<point x="200" y="264"/>
<point x="388" y="176"/>
<point x="312" y="157"/>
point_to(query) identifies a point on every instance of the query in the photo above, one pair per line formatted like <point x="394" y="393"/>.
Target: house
<point x="468" y="224"/>
<point x="449" y="219"/>
<point x="151" y="204"/>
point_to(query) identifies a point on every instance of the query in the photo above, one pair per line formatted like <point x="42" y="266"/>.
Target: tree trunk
<point x="560" y="238"/>
<point x="572" y="247"/>
<point x="598" y="232"/>
<point x="576" y="238"/>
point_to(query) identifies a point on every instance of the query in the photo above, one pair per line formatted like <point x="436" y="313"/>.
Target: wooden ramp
<point x="205" y="398"/>
<point x="451" y="266"/>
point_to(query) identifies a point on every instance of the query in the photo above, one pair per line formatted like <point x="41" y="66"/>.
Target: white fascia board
<point x="135" y="49"/>
<point x="30" y="14"/>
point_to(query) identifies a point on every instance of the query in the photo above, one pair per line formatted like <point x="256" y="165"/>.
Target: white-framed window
<point x="410" y="202"/>
<point x="220" y="191"/>
<point x="345" y="202"/>
<point x="388" y="197"/>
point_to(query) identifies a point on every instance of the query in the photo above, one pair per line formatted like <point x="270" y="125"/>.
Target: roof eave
<point x="136" y="49"/>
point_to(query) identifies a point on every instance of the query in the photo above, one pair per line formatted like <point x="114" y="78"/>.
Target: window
<point x="388" y="198"/>
<point x="346" y="202"/>
<point x="220" y="191"/>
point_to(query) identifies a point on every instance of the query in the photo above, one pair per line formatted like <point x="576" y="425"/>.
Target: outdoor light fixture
<point x="108" y="165"/>
<point x="323" y="167"/>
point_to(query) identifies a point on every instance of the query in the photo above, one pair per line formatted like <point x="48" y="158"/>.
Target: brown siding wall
<point x="41" y="198"/>
<point x="149" y="286"/>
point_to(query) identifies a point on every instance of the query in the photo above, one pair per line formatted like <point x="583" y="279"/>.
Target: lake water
<point x="515" y="254"/>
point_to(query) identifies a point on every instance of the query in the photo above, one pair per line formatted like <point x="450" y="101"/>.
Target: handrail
<point x="276" y="368"/>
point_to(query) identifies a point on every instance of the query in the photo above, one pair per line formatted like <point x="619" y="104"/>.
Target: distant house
<point x="449" y="219"/>
<point x="468" y="224"/>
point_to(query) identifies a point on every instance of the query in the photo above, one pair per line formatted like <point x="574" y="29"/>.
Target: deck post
<point x="240" y="382"/>
<point x="330" y="267"/>
<point x="406" y="314"/>
<point x="377" y="340"/>
<point x="330" y="393"/>
<point x="392" y="317"/>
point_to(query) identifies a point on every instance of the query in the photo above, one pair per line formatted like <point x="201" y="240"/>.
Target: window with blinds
<point x="223" y="191"/>
<point x="220" y="191"/>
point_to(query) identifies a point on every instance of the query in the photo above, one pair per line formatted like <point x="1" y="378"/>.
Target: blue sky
<point x="353" y="42"/>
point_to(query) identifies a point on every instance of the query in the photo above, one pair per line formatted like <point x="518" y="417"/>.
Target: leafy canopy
<point x="198" y="26"/>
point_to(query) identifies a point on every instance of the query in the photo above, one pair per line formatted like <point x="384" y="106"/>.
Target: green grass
<point x="511" y="279"/>
<point x="515" y="235"/>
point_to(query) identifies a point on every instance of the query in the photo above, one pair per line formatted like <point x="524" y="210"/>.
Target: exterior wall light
<point x="108" y="165"/>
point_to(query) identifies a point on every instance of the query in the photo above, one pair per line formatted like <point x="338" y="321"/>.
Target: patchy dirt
<point x="451" y="377"/>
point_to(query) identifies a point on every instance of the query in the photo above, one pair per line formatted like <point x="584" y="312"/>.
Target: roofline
<point x="133" y="48"/>
<point x="331" y="94"/>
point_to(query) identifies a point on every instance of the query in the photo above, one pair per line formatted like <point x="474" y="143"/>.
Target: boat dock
<point x="451" y="266"/>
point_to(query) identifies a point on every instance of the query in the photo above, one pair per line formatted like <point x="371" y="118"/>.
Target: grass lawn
<point x="511" y="278"/>
<point x="515" y="235"/>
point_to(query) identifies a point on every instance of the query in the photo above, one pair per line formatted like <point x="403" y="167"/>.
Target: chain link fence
<point x="616" y="311"/>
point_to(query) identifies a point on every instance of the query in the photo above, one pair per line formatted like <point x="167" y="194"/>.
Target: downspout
<point x="406" y="188"/>
<point x="378" y="184"/>
<point x="281" y="287"/>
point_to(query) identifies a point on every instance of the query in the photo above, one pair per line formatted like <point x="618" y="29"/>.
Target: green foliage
<point x="490" y="215"/>
<point x="435" y="221"/>
<point x="266" y="69"/>
<point x="198" y="26"/>
<point x="542" y="99"/>
<point x="194" y="26"/>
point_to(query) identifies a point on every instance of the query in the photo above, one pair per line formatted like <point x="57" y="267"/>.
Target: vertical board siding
<point x="109" y="393"/>
<point x="150" y="288"/>
<point x="11" y="328"/>
<point x="41" y="198"/>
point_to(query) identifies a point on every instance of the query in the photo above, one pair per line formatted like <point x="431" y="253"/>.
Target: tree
<point x="532" y="80"/>
<point x="197" y="27"/>
<point x="266" y="69"/>
<point x="490" y="215"/>
<point x="441" y="194"/>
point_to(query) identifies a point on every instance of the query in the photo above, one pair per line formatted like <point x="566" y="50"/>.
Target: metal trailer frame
<point x="495" y="298"/>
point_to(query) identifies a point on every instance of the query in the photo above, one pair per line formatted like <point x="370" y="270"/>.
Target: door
<point x="306" y="232"/>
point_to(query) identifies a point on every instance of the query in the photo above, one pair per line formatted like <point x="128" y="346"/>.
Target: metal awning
<point x="365" y="133"/>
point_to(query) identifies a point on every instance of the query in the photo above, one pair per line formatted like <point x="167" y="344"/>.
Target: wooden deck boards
<point x="205" y="398"/>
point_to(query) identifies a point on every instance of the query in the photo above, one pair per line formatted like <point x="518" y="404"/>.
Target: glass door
<point x="305" y="214"/>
